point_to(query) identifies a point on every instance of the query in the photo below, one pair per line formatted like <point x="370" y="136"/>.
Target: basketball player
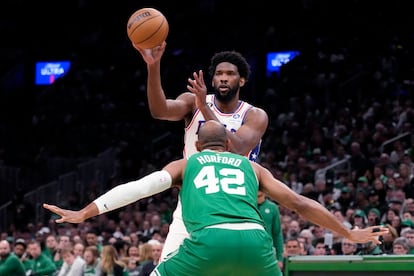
<point x="218" y="192"/>
<point x="245" y="123"/>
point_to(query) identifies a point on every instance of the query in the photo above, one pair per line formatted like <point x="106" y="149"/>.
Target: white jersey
<point x="232" y="121"/>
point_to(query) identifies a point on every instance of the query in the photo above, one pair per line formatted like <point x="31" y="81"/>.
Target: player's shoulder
<point x="257" y="113"/>
<point x="254" y="107"/>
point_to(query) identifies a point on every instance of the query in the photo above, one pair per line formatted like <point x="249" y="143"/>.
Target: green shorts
<point x="222" y="252"/>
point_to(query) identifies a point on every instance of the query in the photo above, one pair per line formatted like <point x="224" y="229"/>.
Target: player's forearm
<point x="91" y="210"/>
<point x="318" y="214"/>
<point x="127" y="193"/>
<point x="157" y="101"/>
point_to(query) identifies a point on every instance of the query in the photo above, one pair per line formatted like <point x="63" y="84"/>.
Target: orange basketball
<point x="147" y="28"/>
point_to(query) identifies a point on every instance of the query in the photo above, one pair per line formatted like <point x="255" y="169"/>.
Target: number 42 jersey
<point x="225" y="184"/>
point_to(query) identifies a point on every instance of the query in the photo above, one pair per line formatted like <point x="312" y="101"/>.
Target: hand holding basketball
<point x="147" y="28"/>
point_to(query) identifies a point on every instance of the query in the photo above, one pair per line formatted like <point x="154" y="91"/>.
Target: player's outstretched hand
<point x="65" y="215"/>
<point x="368" y="234"/>
<point x="153" y="55"/>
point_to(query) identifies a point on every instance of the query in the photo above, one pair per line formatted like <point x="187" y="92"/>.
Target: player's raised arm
<point x="159" y="106"/>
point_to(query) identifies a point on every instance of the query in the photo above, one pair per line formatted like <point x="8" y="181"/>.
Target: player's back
<point x="218" y="187"/>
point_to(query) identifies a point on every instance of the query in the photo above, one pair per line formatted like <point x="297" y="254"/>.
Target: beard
<point x="226" y="97"/>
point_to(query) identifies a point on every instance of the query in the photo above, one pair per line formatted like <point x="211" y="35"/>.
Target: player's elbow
<point x="159" y="115"/>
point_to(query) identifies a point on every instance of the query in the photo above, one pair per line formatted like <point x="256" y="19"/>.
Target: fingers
<point x="378" y="230"/>
<point x="49" y="207"/>
<point x="56" y="210"/>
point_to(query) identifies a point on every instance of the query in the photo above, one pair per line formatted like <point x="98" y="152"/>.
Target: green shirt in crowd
<point x="42" y="266"/>
<point x="11" y="265"/>
<point x="271" y="217"/>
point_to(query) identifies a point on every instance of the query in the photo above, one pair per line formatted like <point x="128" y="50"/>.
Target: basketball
<point x="147" y="28"/>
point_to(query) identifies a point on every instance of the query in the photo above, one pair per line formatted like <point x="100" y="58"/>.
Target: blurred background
<point x="346" y="75"/>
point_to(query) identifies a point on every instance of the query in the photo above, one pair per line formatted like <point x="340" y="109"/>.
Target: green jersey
<point x="42" y="265"/>
<point x="271" y="217"/>
<point x="225" y="178"/>
<point x="11" y="265"/>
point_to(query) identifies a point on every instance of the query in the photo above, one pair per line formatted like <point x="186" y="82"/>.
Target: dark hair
<point x="232" y="57"/>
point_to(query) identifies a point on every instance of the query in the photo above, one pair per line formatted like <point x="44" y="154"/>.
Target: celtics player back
<point x="224" y="178"/>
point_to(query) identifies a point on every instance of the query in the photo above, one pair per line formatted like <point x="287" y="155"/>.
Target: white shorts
<point x="176" y="234"/>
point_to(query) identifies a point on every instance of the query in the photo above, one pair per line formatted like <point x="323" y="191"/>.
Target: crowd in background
<point x="340" y="99"/>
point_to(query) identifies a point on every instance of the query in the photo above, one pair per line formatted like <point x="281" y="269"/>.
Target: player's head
<point x="229" y="71"/>
<point x="232" y="57"/>
<point x="212" y="135"/>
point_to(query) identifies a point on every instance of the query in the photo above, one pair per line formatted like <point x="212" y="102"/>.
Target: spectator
<point x="271" y="217"/>
<point x="19" y="249"/>
<point x="348" y="247"/>
<point x="51" y="247"/>
<point x="133" y="252"/>
<point x="63" y="242"/>
<point x="92" y="261"/>
<point x="388" y="239"/>
<point x="9" y="263"/>
<point x="338" y="214"/>
<point x="345" y="199"/>
<point x="374" y="199"/>
<point x="361" y="199"/>
<point x="133" y="268"/>
<point x="374" y="217"/>
<point x="370" y="249"/>
<point x="72" y="265"/>
<point x="307" y="238"/>
<point x="79" y="249"/>
<point x="360" y="164"/>
<point x="121" y="248"/>
<point x="92" y="239"/>
<point x="360" y="219"/>
<point x="293" y="229"/>
<point x="400" y="246"/>
<point x="110" y="264"/>
<point x="291" y="248"/>
<point x="41" y="264"/>
<point x="156" y="248"/>
<point x="408" y="233"/>
<point x="320" y="248"/>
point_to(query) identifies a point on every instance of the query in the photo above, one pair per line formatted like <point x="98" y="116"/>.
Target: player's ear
<point x="242" y="82"/>
<point x="228" y="144"/>
<point x="198" y="146"/>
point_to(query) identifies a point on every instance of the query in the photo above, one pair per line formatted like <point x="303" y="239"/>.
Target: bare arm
<point x="250" y="133"/>
<point x="311" y="209"/>
<point x="161" y="107"/>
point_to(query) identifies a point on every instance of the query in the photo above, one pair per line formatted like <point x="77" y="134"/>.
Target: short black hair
<point x="232" y="57"/>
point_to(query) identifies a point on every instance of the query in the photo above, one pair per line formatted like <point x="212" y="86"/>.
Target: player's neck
<point x="215" y="148"/>
<point x="228" y="107"/>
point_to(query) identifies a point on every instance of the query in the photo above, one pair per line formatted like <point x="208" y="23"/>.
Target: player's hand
<point x="198" y="87"/>
<point x="65" y="215"/>
<point x="153" y="55"/>
<point x="368" y="234"/>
